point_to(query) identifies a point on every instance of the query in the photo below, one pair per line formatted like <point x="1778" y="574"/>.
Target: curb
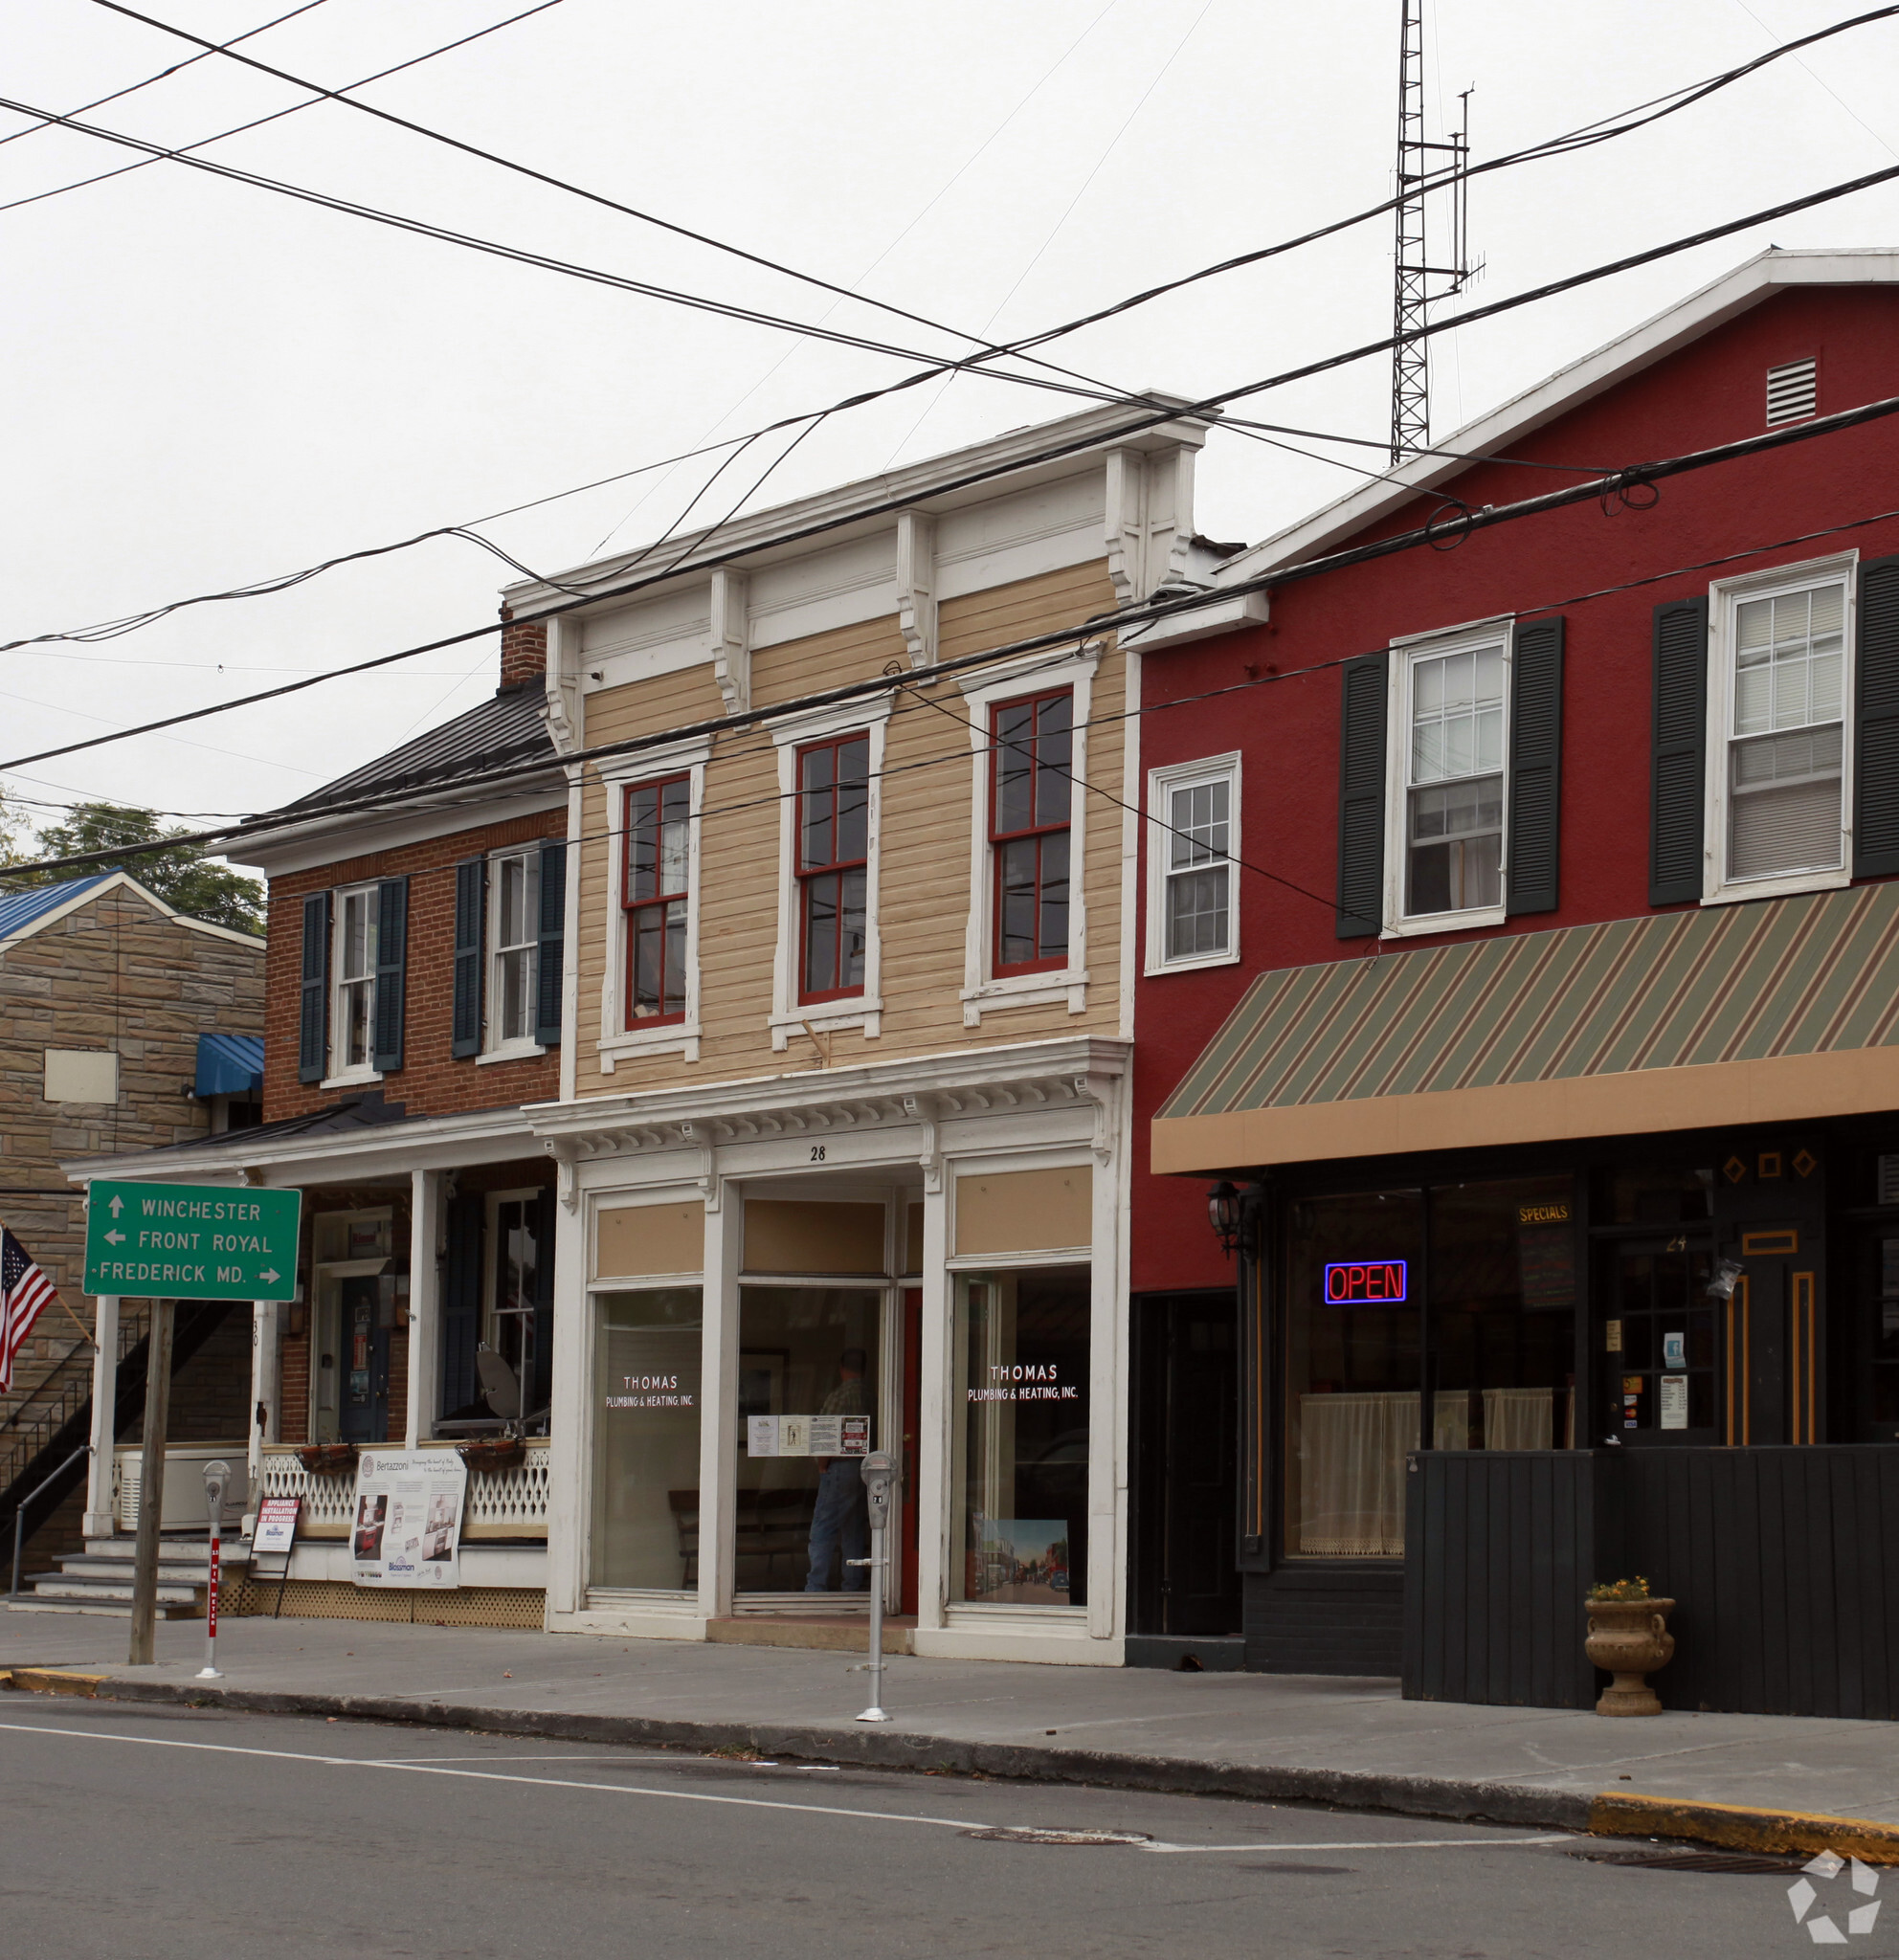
<point x="1613" y="1813"/>
<point x="1742" y="1827"/>
<point x="1458" y="1800"/>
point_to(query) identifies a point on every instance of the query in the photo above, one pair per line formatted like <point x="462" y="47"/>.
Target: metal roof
<point x="1720" y="985"/>
<point x="228" y="1065"/>
<point x="20" y="910"/>
<point x="503" y="732"/>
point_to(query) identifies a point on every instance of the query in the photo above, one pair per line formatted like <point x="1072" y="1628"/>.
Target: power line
<point x="1201" y="408"/>
<point x="1602" y="131"/>
<point x="257" y="121"/>
<point x="545" y="177"/>
<point x="1151" y="611"/>
<point x="165" y="74"/>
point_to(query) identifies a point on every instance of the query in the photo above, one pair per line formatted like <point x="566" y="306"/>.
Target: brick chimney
<point x="524" y="649"/>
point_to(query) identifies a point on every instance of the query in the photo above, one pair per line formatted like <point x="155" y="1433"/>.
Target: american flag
<point x="24" y="1290"/>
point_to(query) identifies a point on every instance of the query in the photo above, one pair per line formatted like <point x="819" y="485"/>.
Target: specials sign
<point x="1366" y="1282"/>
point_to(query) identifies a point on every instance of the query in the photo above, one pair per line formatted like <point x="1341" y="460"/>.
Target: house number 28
<point x="817" y="1153"/>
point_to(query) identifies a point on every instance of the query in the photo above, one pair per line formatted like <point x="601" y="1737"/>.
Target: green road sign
<point x="192" y="1241"/>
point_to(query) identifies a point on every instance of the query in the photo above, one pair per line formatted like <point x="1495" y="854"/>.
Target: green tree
<point x="15" y="835"/>
<point x="182" y="875"/>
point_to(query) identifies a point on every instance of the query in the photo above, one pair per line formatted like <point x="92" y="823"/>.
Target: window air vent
<point x="1793" y="391"/>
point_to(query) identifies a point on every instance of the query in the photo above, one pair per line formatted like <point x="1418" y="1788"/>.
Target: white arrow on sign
<point x="114" y="1238"/>
<point x="268" y="1275"/>
<point x="117" y="1206"/>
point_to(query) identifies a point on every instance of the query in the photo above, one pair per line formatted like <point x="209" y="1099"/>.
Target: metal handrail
<point x="20" y="1510"/>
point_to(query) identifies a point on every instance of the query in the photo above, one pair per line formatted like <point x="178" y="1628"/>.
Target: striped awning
<point x="1780" y="1010"/>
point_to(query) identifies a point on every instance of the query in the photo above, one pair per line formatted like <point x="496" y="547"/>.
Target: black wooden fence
<point x="1783" y="1564"/>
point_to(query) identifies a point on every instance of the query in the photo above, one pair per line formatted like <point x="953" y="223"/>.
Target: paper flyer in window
<point x="406" y="1529"/>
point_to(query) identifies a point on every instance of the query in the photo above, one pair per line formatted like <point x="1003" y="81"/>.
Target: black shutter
<point x="391" y="963"/>
<point x="313" y="1025"/>
<point x="1531" y="841"/>
<point x="1361" y="797"/>
<point x="1876" y="716"/>
<point x="544" y="1302"/>
<point x="553" y="931"/>
<point x="470" y="886"/>
<point x="461" y="1302"/>
<point x="1678" y="772"/>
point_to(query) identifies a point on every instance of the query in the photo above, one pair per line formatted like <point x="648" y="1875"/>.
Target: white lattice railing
<point x="502" y="1504"/>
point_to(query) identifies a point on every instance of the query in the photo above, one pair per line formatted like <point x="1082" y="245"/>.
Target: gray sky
<point x="208" y="383"/>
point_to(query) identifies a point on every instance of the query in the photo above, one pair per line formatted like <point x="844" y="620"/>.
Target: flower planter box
<point x="328" y="1460"/>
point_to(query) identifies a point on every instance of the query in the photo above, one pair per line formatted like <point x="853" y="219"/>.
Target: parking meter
<point x="217" y="1479"/>
<point x="880" y="1483"/>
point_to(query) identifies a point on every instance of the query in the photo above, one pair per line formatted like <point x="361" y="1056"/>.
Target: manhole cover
<point x="1028" y="1834"/>
<point x="1691" y="1860"/>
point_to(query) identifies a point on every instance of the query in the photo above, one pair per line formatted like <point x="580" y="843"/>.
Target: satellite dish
<point x="499" y="1389"/>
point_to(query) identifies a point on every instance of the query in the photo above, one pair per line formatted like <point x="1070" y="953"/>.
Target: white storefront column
<point x="98" y="1520"/>
<point x="935" y="1444"/>
<point x="425" y="1305"/>
<point x="266" y="1420"/>
<point x="719" y="1398"/>
<point x="569" y="1434"/>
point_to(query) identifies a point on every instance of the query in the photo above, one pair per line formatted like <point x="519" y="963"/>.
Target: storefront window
<point x="1021" y="1474"/>
<point x="647" y="1350"/>
<point x="807" y="1408"/>
<point x="1484" y="1300"/>
<point x="1353" y="1349"/>
<point x="1502" y="1315"/>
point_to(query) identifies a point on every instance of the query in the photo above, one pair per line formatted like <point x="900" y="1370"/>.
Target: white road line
<point x="758" y="1803"/>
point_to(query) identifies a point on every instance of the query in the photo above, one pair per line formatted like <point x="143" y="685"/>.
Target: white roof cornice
<point x="1722" y="300"/>
<point x="1006" y="463"/>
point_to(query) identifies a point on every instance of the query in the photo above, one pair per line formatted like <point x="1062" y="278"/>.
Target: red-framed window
<point x="1031" y="797"/>
<point x="833" y="865"/>
<point x="655" y="894"/>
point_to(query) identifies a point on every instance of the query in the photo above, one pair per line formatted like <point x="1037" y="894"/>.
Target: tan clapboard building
<point x="842" y="1129"/>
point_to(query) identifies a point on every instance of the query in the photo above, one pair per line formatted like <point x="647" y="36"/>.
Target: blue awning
<point x="230" y="1066"/>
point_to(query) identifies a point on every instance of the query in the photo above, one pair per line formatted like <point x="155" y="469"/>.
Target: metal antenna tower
<point x="1417" y="280"/>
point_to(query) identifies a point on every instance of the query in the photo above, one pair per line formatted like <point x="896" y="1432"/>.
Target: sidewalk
<point x="1773" y="1782"/>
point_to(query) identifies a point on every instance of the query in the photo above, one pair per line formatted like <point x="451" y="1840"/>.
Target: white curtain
<point x="1450" y="1419"/>
<point x="1351" y="1451"/>
<point x="1519" y="1419"/>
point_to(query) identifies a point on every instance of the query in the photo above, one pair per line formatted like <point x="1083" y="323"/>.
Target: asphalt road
<point x="141" y="1834"/>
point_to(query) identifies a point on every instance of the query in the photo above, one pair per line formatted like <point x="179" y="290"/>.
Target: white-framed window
<point x="1193" y="883"/>
<point x="649" y="994"/>
<point x="1449" y="717"/>
<point x="352" y="1022"/>
<point x="828" y="973"/>
<point x="1055" y="968"/>
<point x="1780" y="703"/>
<point x="514" y="936"/>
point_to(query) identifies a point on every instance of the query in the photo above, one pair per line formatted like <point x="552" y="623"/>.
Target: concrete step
<point x="170" y="1595"/>
<point x="104" y="1610"/>
<point x="838" y="1635"/>
<point x="187" y="1570"/>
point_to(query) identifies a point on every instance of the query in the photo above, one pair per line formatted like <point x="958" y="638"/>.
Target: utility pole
<point x="152" y="1483"/>
<point x="1414" y="273"/>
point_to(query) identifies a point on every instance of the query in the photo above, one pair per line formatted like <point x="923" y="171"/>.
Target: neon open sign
<point x="1365" y="1282"/>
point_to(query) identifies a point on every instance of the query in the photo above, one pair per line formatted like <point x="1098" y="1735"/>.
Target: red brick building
<point x="414" y="996"/>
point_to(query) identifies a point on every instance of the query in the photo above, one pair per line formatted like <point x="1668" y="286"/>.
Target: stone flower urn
<point x="1631" y="1638"/>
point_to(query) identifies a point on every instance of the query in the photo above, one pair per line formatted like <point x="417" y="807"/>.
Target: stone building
<point x="106" y="997"/>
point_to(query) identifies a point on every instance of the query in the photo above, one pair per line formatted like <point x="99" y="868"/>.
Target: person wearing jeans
<point x="841" y="1513"/>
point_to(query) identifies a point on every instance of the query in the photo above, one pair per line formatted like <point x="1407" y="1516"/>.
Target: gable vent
<point x="1793" y="391"/>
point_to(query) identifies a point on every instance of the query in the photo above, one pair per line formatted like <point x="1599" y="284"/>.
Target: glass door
<point x="365" y="1413"/>
<point x="1664" y="1343"/>
<point x="810" y="1365"/>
